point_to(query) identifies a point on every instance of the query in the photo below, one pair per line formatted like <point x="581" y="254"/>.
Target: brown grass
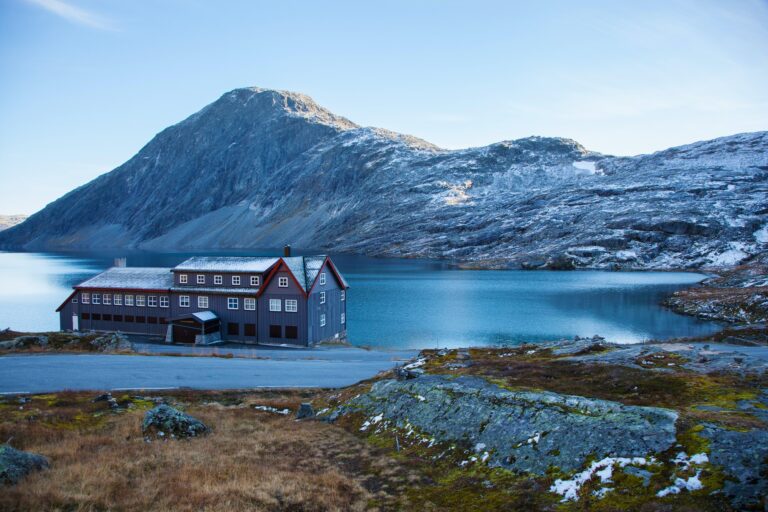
<point x="252" y="460"/>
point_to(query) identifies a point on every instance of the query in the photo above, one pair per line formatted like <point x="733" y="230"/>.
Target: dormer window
<point x="200" y="278"/>
<point x="282" y="282"/>
<point x="322" y="278"/>
<point x="236" y="280"/>
<point x="254" y="280"/>
<point x="183" y="278"/>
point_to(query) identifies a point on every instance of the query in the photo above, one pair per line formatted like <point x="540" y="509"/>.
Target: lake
<point x="410" y="303"/>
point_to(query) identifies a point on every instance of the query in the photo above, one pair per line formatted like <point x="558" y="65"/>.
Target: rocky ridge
<point x="261" y="168"/>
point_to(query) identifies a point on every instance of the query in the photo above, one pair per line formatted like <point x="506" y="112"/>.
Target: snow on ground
<point x="603" y="469"/>
<point x="761" y="235"/>
<point x="730" y="257"/>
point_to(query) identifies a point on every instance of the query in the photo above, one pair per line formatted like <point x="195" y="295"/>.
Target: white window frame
<point x="152" y="301"/>
<point x="233" y="303"/>
<point x="107" y="299"/>
<point x="275" y="305"/>
<point x="202" y="302"/>
<point x="96" y="298"/>
<point x="164" y="302"/>
<point x="282" y="282"/>
<point x="254" y="280"/>
<point x="183" y="278"/>
<point x="74" y="299"/>
<point x="200" y="278"/>
<point x="141" y="301"/>
<point x="322" y="320"/>
<point x="183" y="301"/>
<point x="85" y="297"/>
<point x="249" y="304"/>
<point x="218" y="279"/>
<point x="291" y="306"/>
<point x="343" y="318"/>
<point x="235" y="280"/>
<point x="118" y="299"/>
<point x="343" y="295"/>
<point x="322" y="278"/>
<point x="322" y="297"/>
<point x="129" y="300"/>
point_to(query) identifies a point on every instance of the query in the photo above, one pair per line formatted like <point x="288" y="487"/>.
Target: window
<point x="118" y="299"/>
<point x="233" y="329"/>
<point x="129" y="319"/>
<point x="275" y="331"/>
<point x="322" y="320"/>
<point x="163" y="302"/>
<point x="118" y="318"/>
<point x="183" y="301"/>
<point x="202" y="302"/>
<point x="282" y="282"/>
<point x="254" y="280"/>
<point x="236" y="280"/>
<point x="85" y="316"/>
<point x="291" y="305"/>
<point x="274" y="304"/>
<point x="140" y="300"/>
<point x="96" y="316"/>
<point x="218" y="280"/>
<point x="249" y="303"/>
<point x="343" y="295"/>
<point x="152" y="301"/>
<point x="108" y="299"/>
<point x="152" y="319"/>
<point x="74" y="299"/>
<point x="233" y="303"/>
<point x="291" y="332"/>
<point x="183" y="278"/>
<point x="97" y="298"/>
<point x="322" y="278"/>
<point x="107" y="317"/>
<point x="322" y="297"/>
<point x="200" y="278"/>
<point x="129" y="300"/>
<point x="343" y="318"/>
<point x="249" y="329"/>
<point x="141" y="320"/>
<point x="86" y="298"/>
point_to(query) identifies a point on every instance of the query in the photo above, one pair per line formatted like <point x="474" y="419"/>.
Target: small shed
<point x="200" y="328"/>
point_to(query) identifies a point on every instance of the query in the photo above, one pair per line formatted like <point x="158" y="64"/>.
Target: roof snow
<point x="140" y="278"/>
<point x="226" y="264"/>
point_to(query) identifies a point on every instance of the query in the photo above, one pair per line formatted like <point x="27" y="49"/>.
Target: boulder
<point x="305" y="411"/>
<point x="16" y="464"/>
<point x="164" y="421"/>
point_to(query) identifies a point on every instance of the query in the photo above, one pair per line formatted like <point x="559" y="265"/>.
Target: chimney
<point x="287" y="251"/>
<point x="121" y="262"/>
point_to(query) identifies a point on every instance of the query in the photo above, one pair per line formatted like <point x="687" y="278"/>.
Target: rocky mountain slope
<point x="260" y="168"/>
<point x="7" y="221"/>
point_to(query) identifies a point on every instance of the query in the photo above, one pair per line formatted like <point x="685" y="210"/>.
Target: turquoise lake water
<point x="411" y="303"/>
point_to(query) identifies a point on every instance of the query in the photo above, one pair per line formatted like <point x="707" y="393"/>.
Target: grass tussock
<point x="252" y="460"/>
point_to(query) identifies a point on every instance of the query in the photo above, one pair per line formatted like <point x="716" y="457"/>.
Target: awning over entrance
<point x="194" y="327"/>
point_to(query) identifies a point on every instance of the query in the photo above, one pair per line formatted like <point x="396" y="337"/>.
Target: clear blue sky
<point x="85" y="83"/>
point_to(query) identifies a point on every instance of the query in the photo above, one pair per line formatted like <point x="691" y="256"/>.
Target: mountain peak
<point x="287" y="103"/>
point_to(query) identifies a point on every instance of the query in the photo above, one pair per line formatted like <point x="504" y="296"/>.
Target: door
<point x="183" y="334"/>
<point x="75" y="323"/>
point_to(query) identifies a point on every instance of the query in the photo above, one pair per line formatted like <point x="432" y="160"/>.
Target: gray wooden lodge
<point x="299" y="300"/>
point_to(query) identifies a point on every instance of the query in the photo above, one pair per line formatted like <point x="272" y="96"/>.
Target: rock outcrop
<point x="261" y="168"/>
<point x="16" y="464"/>
<point x="525" y="431"/>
